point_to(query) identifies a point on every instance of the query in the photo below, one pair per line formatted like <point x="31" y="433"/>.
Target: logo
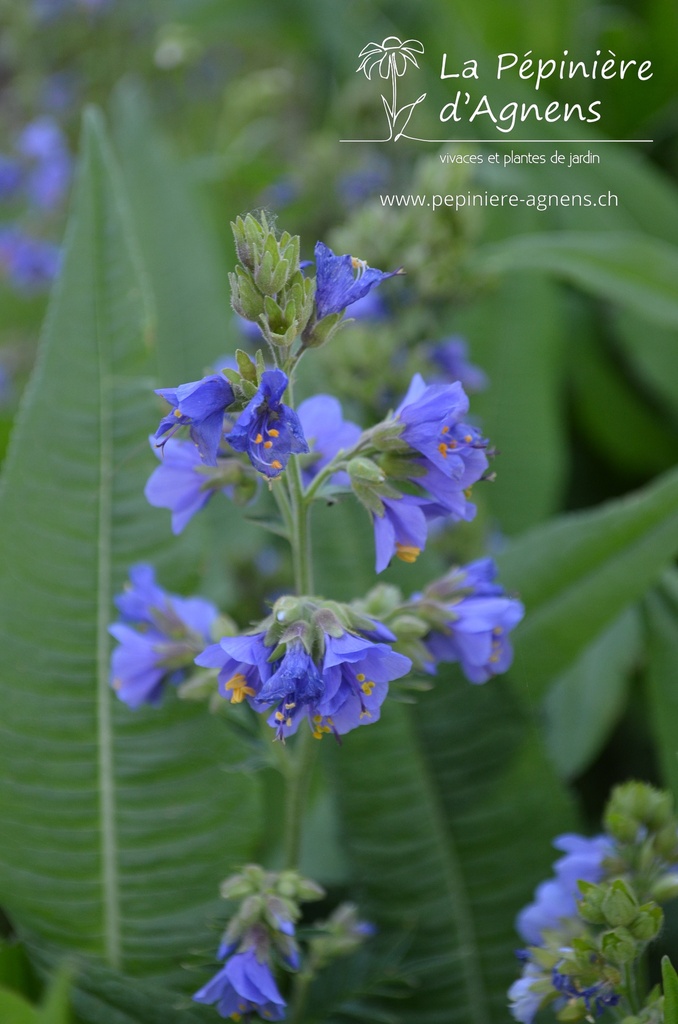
<point x="389" y="60"/>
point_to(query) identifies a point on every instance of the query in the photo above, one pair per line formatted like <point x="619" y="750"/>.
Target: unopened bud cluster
<point x="268" y="287"/>
<point x="589" y="928"/>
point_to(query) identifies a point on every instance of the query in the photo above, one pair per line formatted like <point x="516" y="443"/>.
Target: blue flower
<point x="180" y="483"/>
<point x="524" y="999"/>
<point x="243" y="666"/>
<point x="327" y="433"/>
<point x="245" y="985"/>
<point x="344" y="690"/>
<point x="556" y="899"/>
<point x="43" y="145"/>
<point x="158" y="637"/>
<point x="297" y="681"/>
<point x="596" y="997"/>
<point x="451" y="357"/>
<point x="480" y="618"/>
<point x="267" y="430"/>
<point x="11" y="178"/>
<point x="341" y="280"/>
<point x="31" y="264"/>
<point x="401" y="530"/>
<point x="199" y="405"/>
<point x="434" y="426"/>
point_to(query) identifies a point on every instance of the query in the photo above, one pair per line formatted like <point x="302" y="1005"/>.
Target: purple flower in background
<point x="327" y="433"/>
<point x="342" y="280"/>
<point x="200" y="406"/>
<point x="451" y="358"/>
<point x="244" y="985"/>
<point x="556" y="899"/>
<point x="30" y="264"/>
<point x="11" y="178"/>
<point x="43" y="145"/>
<point x="370" y="307"/>
<point x="480" y="617"/>
<point x="523" y="998"/>
<point x="180" y="482"/>
<point x="267" y="430"/>
<point x="250" y="333"/>
<point x="158" y="637"/>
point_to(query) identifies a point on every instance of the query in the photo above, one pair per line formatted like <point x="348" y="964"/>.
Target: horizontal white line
<point x="492" y="142"/>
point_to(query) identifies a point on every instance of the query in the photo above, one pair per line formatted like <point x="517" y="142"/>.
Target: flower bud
<point x="619" y="904"/>
<point x="648" y="923"/>
<point x="590" y="905"/>
<point x="365" y="469"/>
<point x="619" y="946"/>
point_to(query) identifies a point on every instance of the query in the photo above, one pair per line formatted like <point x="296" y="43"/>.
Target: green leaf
<point x="517" y="337"/>
<point x="117" y="825"/>
<point x="624" y="428"/>
<point x="630" y="269"/>
<point x="14" y="1008"/>
<point x="661" y="618"/>
<point x="440" y="804"/>
<point x="585" y="703"/>
<point x="181" y="253"/>
<point x="670" y="985"/>
<point x="653" y="351"/>
<point x="577" y="573"/>
<point x="56" y="1006"/>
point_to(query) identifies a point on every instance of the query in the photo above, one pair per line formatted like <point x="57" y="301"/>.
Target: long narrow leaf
<point x="116" y="825"/>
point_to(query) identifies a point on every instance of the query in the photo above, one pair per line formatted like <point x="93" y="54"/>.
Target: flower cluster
<point x="427" y="447"/>
<point x="589" y="926"/>
<point x="159" y="635"/>
<point x="38" y="173"/>
<point x="316" y="662"/>
<point x="260" y="940"/>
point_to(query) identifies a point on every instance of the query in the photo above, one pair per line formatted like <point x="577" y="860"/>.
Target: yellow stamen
<point x="407" y="553"/>
<point x="259" y="438"/>
<point x="317" y="735"/>
<point x="177" y="414"/>
<point x="361" y="677"/>
<point x="468" y="492"/>
<point x="274" y="433"/>
<point x="442" y="448"/>
<point x="288" y="723"/>
<point x="468" y="438"/>
<point x="279" y="717"/>
<point x="497" y="630"/>
<point x="276" y="465"/>
<point x="268" y="444"/>
<point x="238" y="684"/>
<point x="317" y="719"/>
<point x="288" y="707"/>
<point x="367" y="688"/>
<point x="444" y="430"/>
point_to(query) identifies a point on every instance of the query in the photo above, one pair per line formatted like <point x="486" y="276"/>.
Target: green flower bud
<point x="619" y="946"/>
<point x="318" y="332"/>
<point x="590" y="906"/>
<point x="619" y="904"/>
<point x="246" y="300"/>
<point x="648" y="923"/>
<point x="361" y="468"/>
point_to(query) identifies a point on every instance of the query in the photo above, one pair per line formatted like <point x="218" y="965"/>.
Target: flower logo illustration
<point x="391" y="58"/>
